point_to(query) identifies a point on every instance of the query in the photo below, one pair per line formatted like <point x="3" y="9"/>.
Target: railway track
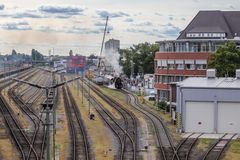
<point x="80" y="145"/>
<point x="184" y="148"/>
<point x="38" y="134"/>
<point x="166" y="147"/>
<point x="20" y="138"/>
<point x="124" y="129"/>
<point x="216" y="150"/>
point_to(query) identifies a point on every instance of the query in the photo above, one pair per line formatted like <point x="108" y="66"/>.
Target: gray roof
<point x="204" y="82"/>
<point x="214" y="21"/>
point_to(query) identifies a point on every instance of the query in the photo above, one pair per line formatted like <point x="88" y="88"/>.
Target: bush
<point x="162" y="105"/>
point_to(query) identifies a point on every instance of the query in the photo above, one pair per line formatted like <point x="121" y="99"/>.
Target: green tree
<point x="36" y="55"/>
<point x="141" y="56"/>
<point x="226" y="60"/>
<point x="70" y="53"/>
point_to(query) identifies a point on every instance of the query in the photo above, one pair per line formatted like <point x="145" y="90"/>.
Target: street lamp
<point x="47" y="88"/>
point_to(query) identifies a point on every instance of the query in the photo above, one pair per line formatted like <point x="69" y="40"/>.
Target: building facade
<point x="209" y="104"/>
<point x="188" y="55"/>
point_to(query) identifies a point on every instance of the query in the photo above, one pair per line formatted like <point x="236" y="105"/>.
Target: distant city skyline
<point x="78" y="25"/>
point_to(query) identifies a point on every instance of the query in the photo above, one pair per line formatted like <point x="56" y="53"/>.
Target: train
<point x="113" y="81"/>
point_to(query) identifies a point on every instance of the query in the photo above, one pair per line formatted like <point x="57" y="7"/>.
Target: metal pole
<point x="89" y="97"/>
<point x="54" y="118"/>
<point x="48" y="129"/>
<point x="82" y="89"/>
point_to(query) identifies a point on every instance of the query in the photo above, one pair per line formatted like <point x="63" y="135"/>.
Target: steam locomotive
<point x="114" y="81"/>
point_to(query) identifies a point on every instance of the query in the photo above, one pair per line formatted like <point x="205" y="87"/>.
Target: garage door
<point x="228" y="118"/>
<point x="200" y="117"/>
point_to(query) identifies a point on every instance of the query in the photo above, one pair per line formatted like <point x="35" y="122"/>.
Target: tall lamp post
<point x="48" y="108"/>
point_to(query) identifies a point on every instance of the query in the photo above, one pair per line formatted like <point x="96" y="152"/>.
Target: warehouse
<point x="209" y="104"/>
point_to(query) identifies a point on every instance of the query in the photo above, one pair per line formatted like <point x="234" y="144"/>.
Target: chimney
<point x="238" y="73"/>
<point x="211" y="73"/>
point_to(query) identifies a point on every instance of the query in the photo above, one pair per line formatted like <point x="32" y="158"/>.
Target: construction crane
<point x="100" y="56"/>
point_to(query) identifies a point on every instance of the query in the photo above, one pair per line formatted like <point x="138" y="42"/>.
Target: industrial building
<point x="209" y="104"/>
<point x="188" y="56"/>
<point x="112" y="44"/>
<point x="76" y="64"/>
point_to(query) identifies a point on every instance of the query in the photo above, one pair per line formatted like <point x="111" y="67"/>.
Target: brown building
<point x="188" y="56"/>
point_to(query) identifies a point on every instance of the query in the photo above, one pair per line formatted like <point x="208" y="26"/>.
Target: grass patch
<point x="235" y="147"/>
<point x="113" y="93"/>
<point x="204" y="143"/>
<point x="233" y="152"/>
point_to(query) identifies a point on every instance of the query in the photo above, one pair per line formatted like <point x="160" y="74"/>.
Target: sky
<point x="56" y="26"/>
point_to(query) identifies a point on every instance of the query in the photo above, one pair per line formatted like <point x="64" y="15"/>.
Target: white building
<point x="209" y="104"/>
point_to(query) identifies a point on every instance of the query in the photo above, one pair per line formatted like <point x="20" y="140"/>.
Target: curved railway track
<point x="80" y="144"/>
<point x="125" y="131"/>
<point x="184" y="148"/>
<point x="39" y="133"/>
<point x="23" y="142"/>
<point x="166" y="146"/>
<point x="215" y="151"/>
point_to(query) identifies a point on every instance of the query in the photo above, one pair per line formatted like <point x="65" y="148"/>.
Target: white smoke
<point x="112" y="57"/>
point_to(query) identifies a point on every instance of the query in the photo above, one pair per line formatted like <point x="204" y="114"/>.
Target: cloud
<point x="171" y="30"/>
<point x="153" y="32"/>
<point x="23" y="25"/>
<point x="23" y="14"/>
<point x="196" y="1"/>
<point x="183" y="19"/>
<point x="45" y="12"/>
<point x="99" y="24"/>
<point x="2" y="7"/>
<point x="147" y="23"/>
<point x="128" y="20"/>
<point x="104" y="14"/>
<point x="158" y="14"/>
<point x="74" y="29"/>
<point x="62" y="10"/>
<point x="28" y="14"/>
<point x="168" y="30"/>
<point x="171" y="18"/>
<point x="230" y="6"/>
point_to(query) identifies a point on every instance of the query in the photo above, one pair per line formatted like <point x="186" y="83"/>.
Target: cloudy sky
<point x="79" y="24"/>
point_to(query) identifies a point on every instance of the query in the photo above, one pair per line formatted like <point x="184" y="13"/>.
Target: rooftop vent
<point x="238" y="73"/>
<point x="211" y="73"/>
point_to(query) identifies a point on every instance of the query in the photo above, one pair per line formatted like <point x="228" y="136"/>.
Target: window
<point x="164" y="79"/>
<point x="171" y="66"/>
<point x="190" y="66"/>
<point x="163" y="95"/>
<point x="155" y="64"/>
<point x="171" y="79"/>
<point x="179" y="78"/>
<point x="201" y="66"/>
<point x="180" y="66"/>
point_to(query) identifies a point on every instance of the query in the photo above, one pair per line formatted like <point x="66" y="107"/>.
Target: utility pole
<point x="89" y="111"/>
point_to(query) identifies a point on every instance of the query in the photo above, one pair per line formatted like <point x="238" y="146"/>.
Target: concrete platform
<point x="211" y="136"/>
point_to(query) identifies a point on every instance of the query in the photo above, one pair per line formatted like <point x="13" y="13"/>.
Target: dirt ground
<point x="62" y="135"/>
<point x="7" y="149"/>
<point x="101" y="139"/>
